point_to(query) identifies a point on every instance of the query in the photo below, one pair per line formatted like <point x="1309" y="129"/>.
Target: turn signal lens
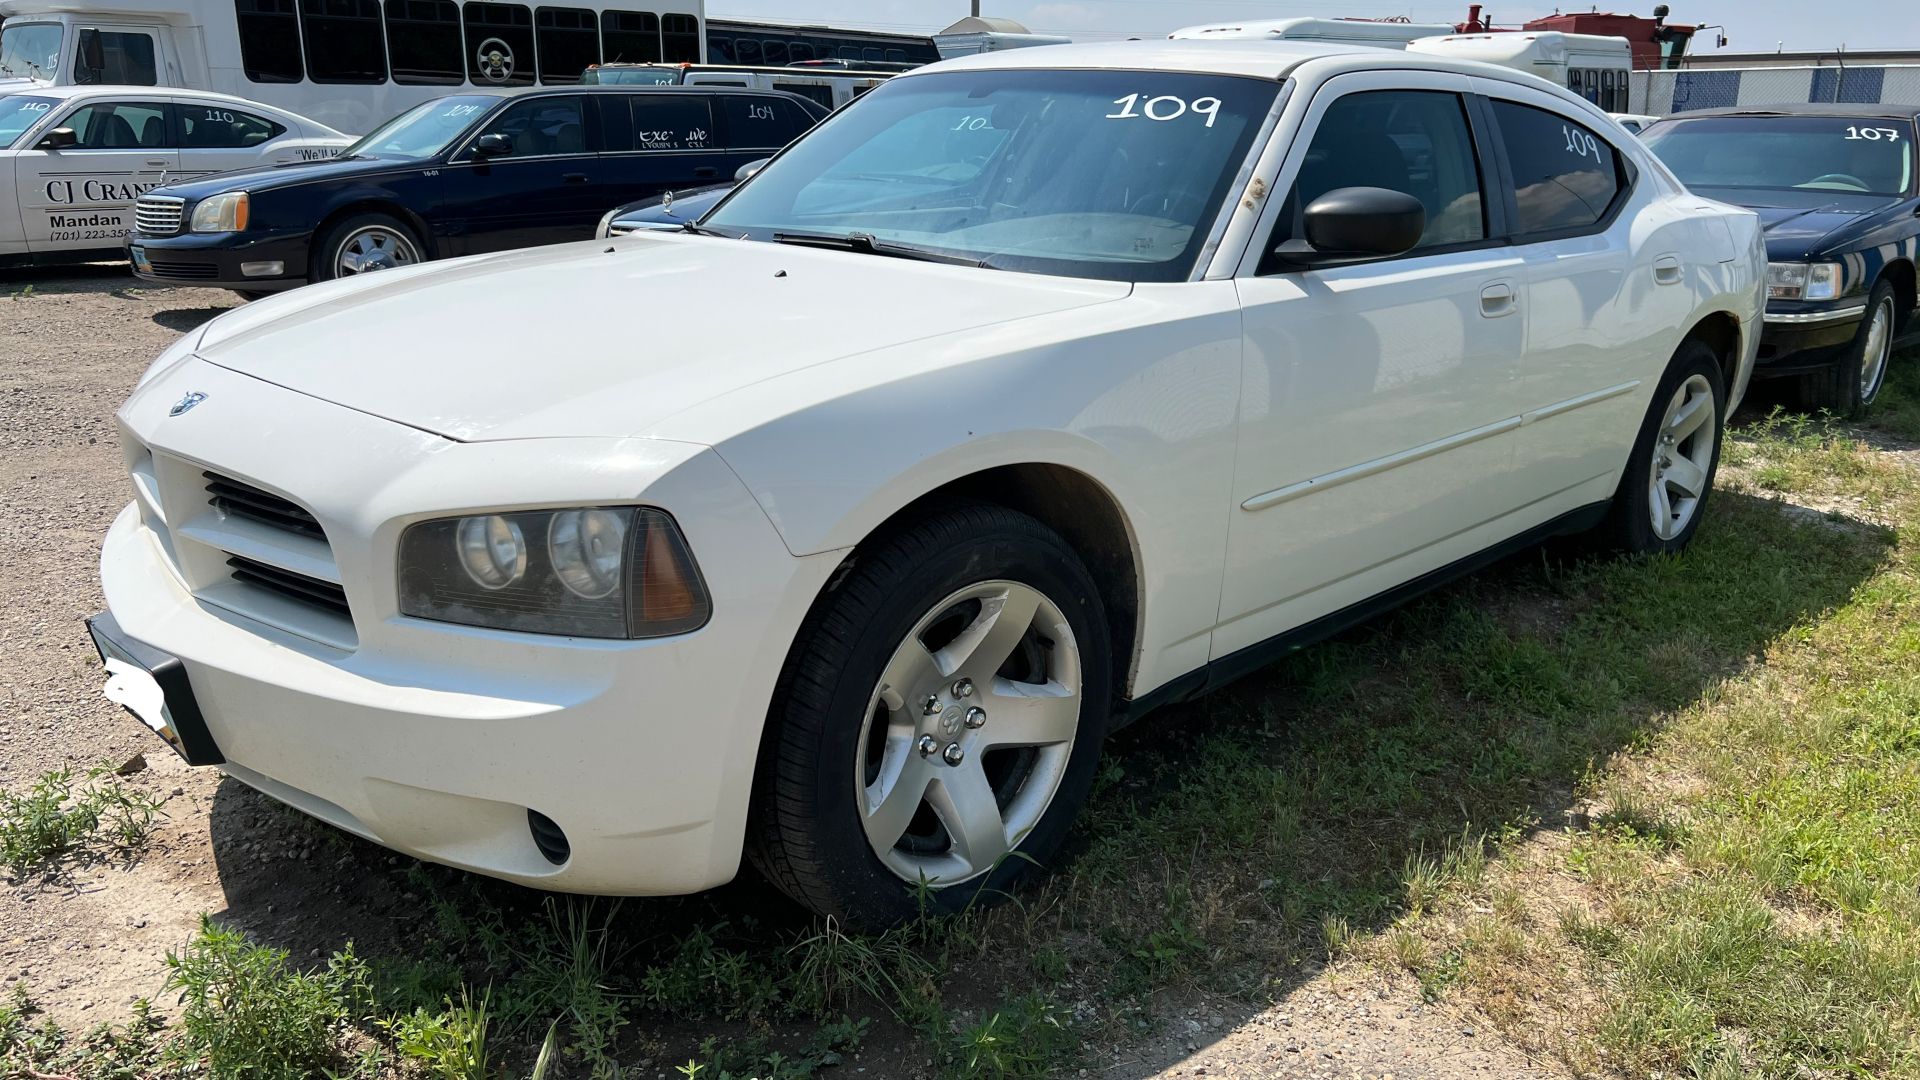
<point x="669" y="587"/>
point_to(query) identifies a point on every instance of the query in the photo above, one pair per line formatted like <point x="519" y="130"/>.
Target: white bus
<point x="1593" y="66"/>
<point x="349" y="64"/>
<point x="1383" y="33"/>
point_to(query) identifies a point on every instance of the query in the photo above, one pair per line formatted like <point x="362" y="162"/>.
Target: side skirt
<point x="1219" y="673"/>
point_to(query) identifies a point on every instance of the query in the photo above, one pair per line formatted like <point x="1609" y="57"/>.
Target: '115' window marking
<point x="1165" y="107"/>
<point x="1583" y="144"/>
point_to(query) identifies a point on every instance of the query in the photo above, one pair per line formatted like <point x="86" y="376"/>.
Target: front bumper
<point x="214" y="260"/>
<point x="1803" y="338"/>
<point x="434" y="739"/>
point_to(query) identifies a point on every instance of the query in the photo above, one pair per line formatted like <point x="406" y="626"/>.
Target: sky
<point x="1751" y="25"/>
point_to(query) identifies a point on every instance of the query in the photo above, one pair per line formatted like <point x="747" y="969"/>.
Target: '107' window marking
<point x="1165" y="107"/>
<point x="1873" y="134"/>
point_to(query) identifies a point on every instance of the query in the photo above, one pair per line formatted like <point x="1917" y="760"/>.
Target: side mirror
<point x="1356" y="224"/>
<point x="92" y="53"/>
<point x="495" y="145"/>
<point x="745" y="172"/>
<point x="60" y="138"/>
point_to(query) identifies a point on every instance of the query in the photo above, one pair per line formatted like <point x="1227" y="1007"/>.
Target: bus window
<point x="499" y="44"/>
<point x="568" y="43"/>
<point x="126" y="59"/>
<point x="746" y="51"/>
<point x="681" y="37"/>
<point x="800" y="51"/>
<point x="343" y="41"/>
<point x="269" y="40"/>
<point x="424" y="36"/>
<point x="849" y="52"/>
<point x="896" y="56"/>
<point x="631" y="37"/>
<point x="873" y="55"/>
<point x="773" y="52"/>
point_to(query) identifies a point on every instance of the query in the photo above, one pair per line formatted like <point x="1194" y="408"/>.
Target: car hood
<point x="268" y="177"/>
<point x="1796" y="222"/>
<point x="606" y="338"/>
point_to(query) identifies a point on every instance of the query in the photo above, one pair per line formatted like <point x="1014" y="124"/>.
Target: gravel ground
<point x="94" y="937"/>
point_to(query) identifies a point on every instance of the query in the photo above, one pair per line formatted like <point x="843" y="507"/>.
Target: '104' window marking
<point x="1583" y="144"/>
<point x="1165" y="107"/>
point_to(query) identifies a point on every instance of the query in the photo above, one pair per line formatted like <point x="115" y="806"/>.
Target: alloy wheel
<point x="1876" y="350"/>
<point x="1682" y="457"/>
<point x="968" y="733"/>
<point x="373" y="248"/>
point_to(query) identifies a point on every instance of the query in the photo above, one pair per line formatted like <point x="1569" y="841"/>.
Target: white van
<point x="1381" y="34"/>
<point x="350" y="64"/>
<point x="1593" y="66"/>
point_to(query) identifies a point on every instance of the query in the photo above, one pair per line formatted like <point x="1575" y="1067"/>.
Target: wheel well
<point x="1900" y="273"/>
<point x="374" y="206"/>
<point x="1721" y="333"/>
<point x="1083" y="512"/>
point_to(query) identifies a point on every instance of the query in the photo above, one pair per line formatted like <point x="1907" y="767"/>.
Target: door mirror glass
<point x="494" y="145"/>
<point x="60" y="138"/>
<point x="1354" y="224"/>
<point x="745" y="172"/>
<point x="93" y="56"/>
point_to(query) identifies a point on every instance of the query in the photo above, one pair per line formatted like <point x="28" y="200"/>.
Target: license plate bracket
<point x="153" y="686"/>
<point x="140" y="262"/>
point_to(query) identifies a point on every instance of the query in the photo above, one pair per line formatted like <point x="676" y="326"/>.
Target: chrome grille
<point x="230" y="496"/>
<point x="158" y="215"/>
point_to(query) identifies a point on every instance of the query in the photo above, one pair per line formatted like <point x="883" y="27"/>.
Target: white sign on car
<point x="1030" y="391"/>
<point x="74" y="158"/>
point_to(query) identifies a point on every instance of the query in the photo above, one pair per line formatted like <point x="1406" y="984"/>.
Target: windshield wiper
<point x="868" y="244"/>
<point x="701" y="230"/>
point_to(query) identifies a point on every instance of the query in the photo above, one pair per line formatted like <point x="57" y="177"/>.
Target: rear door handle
<point x="1496" y="300"/>
<point x="1666" y="269"/>
<point x="157" y="164"/>
<point x="574" y="177"/>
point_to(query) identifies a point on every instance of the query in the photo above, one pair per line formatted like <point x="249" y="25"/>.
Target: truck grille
<point x="230" y="496"/>
<point x="321" y="594"/>
<point x="158" y="215"/>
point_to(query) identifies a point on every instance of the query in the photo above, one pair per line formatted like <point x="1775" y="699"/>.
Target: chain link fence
<point x="1659" y="93"/>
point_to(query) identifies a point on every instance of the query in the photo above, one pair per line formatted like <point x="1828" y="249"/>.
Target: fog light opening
<point x="263" y="269"/>
<point x="548" y="837"/>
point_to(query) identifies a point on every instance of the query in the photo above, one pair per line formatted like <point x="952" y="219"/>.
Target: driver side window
<point x="542" y="127"/>
<point x="1416" y="142"/>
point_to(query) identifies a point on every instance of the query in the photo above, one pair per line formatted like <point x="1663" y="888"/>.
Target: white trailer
<point x="1593" y="66"/>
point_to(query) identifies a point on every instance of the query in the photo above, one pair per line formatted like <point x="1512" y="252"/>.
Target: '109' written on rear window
<point x="672" y="124"/>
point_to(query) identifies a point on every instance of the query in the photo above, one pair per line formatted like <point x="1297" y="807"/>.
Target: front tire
<point x="938" y="723"/>
<point x="1846" y="387"/>
<point x="1663" y="493"/>
<point x="363" y="244"/>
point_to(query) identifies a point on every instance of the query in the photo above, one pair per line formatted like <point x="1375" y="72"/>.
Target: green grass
<point x="1642" y="816"/>
<point x="58" y="818"/>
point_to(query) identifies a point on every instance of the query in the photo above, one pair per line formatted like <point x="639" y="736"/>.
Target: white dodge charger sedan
<point x="1030" y="392"/>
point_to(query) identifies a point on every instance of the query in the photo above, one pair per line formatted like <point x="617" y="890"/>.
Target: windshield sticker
<point x="1873" y="134"/>
<point x="1582" y="144"/>
<point x="1165" y="107"/>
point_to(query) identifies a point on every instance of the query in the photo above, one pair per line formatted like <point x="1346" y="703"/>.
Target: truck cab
<point x="106" y="48"/>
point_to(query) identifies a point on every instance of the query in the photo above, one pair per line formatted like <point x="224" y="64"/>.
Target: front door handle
<point x="1666" y="269"/>
<point x="1496" y="300"/>
<point x="706" y="172"/>
<point x="157" y="164"/>
<point x="574" y="177"/>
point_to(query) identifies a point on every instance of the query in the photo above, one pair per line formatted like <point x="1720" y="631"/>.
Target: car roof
<point x="1801" y="108"/>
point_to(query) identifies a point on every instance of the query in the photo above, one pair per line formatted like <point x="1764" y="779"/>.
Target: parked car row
<point x="836" y="529"/>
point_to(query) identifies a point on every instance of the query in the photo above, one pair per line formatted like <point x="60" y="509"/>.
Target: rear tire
<point x="1847" y="386"/>
<point x="857" y="799"/>
<point x="362" y="244"/>
<point x="1662" y="496"/>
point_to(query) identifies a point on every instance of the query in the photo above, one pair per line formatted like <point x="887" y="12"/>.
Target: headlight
<point x="1803" y="281"/>
<point x="601" y="572"/>
<point x="226" y="212"/>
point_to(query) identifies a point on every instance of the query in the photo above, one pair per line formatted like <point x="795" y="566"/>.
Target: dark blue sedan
<point x="1835" y="189"/>
<point x="470" y="173"/>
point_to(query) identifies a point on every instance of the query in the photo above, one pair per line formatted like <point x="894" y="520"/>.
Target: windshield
<point x="30" y="50"/>
<point x="19" y="112"/>
<point x="1804" y="153"/>
<point x="612" y="76"/>
<point x="1096" y="174"/>
<point x="424" y="130"/>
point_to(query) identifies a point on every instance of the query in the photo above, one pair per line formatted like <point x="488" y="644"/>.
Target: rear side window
<point x="120" y="125"/>
<point x="269" y="40"/>
<point x="343" y="41"/>
<point x="762" y="123"/>
<point x="569" y="43"/>
<point x="677" y="122"/>
<point x="1564" y="176"/>
<point x="425" y="38"/>
<point x="630" y="37"/>
<point x="1412" y="141"/>
<point x="215" y="127"/>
